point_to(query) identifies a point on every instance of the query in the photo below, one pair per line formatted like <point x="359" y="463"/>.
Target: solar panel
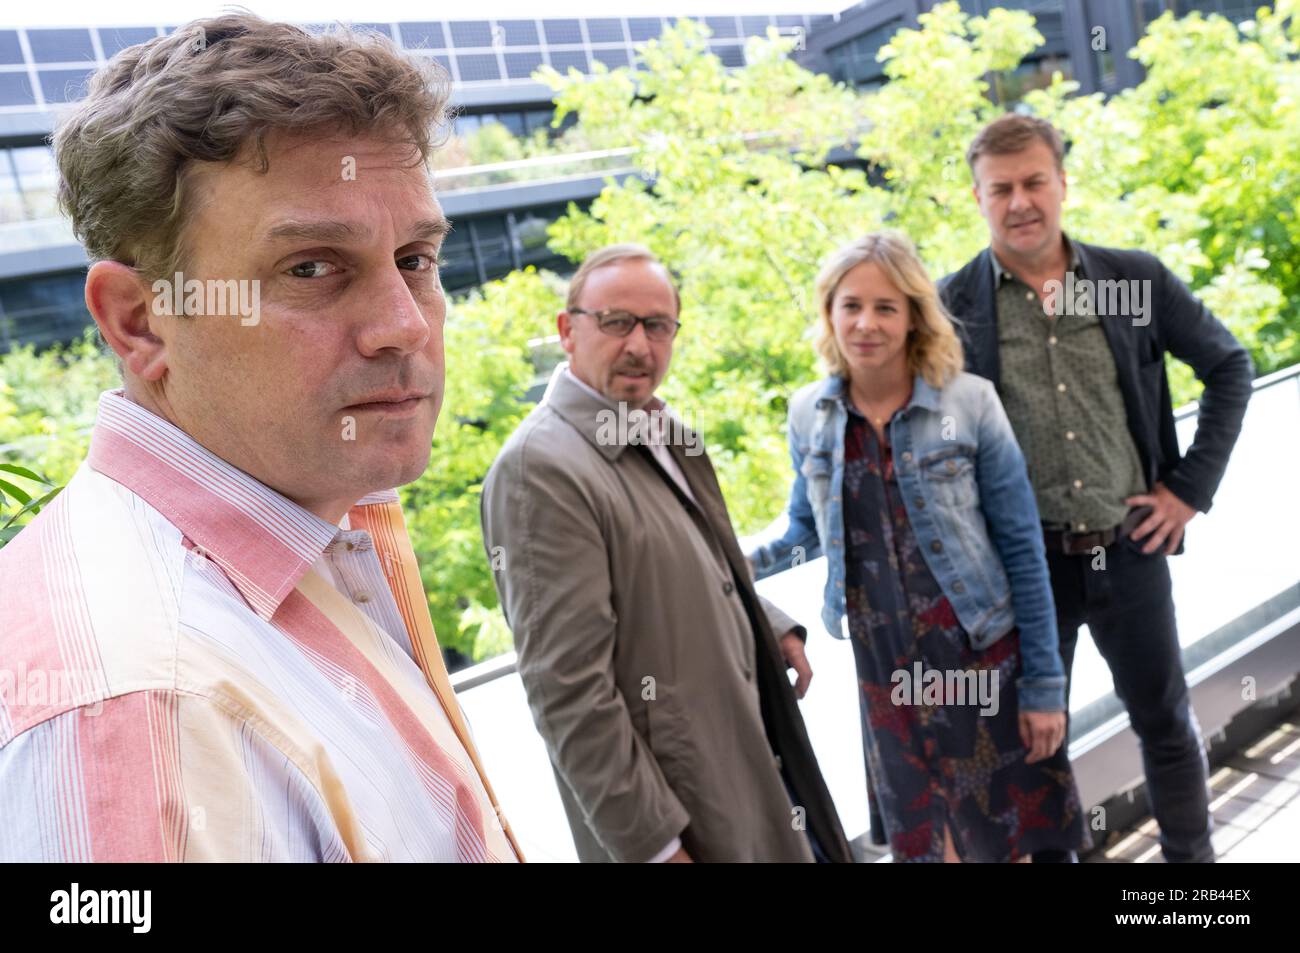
<point x="644" y="28"/>
<point x="422" y="36"/>
<point x="613" y="58"/>
<point x="114" y="40"/>
<point x="471" y="33"/>
<point x="522" y="65"/>
<point x="477" y="67"/>
<point x="605" y="31"/>
<point x="562" y="31"/>
<point x="519" y="32"/>
<point x="564" y="60"/>
<point x="61" y="46"/>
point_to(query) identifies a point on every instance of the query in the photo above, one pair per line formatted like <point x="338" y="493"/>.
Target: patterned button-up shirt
<point x="1060" y="388"/>
<point x="193" y="667"/>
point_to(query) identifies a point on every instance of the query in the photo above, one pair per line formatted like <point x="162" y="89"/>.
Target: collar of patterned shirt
<point x="197" y="668"/>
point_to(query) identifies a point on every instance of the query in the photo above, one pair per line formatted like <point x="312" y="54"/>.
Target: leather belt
<point x="1073" y="544"/>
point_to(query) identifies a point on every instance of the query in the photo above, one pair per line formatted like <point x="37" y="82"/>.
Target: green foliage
<point x="488" y="371"/>
<point x="1200" y="165"/>
<point x="47" y="408"/>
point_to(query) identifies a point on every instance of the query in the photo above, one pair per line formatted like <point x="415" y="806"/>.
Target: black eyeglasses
<point x="620" y="324"/>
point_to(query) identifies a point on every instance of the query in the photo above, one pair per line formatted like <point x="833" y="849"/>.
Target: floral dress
<point x="933" y="763"/>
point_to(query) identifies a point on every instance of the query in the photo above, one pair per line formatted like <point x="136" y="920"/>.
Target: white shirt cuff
<point x="673" y="847"/>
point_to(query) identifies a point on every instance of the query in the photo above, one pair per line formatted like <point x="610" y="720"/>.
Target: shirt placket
<point x="354" y="563"/>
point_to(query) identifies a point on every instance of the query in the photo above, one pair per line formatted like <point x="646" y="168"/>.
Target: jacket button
<point x="907" y="456"/>
<point x="728" y="588"/>
<point x="920" y="502"/>
<point x="779" y="763"/>
<point x="958" y="586"/>
<point x="936" y="547"/>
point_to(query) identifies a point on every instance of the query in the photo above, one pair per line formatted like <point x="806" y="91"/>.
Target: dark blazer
<point x="1179" y="324"/>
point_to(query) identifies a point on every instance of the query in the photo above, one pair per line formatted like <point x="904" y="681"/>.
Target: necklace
<point x="879" y="418"/>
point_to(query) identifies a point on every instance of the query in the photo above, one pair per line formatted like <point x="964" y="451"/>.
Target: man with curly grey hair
<point x="221" y="643"/>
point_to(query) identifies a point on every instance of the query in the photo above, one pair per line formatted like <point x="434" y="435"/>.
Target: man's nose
<point x="1019" y="201"/>
<point x="395" y="319"/>
<point x="636" y="342"/>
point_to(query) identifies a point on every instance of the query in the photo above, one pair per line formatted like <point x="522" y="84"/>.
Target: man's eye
<point x="310" y="269"/>
<point x="617" y="324"/>
<point x="418" y="262"/>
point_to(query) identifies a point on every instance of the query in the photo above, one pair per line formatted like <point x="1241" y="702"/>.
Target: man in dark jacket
<point x="1074" y="336"/>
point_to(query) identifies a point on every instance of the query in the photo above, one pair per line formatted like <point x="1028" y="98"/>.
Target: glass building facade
<point x="491" y="63"/>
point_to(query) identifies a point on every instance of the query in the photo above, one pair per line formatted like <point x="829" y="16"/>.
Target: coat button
<point x="920" y="502"/>
<point x="728" y="588"/>
<point x="779" y="763"/>
<point x="907" y="456"/>
<point x="936" y="547"/>
<point x="958" y="586"/>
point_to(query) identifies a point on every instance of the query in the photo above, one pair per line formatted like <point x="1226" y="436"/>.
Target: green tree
<point x="1200" y="164"/>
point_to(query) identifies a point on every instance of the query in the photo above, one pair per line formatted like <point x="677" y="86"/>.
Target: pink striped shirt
<point x="193" y="667"/>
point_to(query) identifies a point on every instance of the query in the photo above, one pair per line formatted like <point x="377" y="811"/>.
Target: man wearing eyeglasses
<point x="655" y="674"/>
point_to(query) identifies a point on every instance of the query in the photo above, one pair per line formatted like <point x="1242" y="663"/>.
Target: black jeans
<point x="1128" y="607"/>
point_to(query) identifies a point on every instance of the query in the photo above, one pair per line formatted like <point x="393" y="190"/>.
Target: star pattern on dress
<point x="1028" y="809"/>
<point x="1065" y="780"/>
<point x="909" y="845"/>
<point x="884" y="715"/>
<point x="973" y="775"/>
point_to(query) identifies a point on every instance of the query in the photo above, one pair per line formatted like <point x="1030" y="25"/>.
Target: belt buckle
<point x="1071" y="542"/>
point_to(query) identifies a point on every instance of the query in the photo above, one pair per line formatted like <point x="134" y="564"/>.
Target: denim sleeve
<point x="1012" y="516"/>
<point x="773" y="550"/>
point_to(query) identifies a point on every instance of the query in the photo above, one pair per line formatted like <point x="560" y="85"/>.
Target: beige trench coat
<point x="650" y="664"/>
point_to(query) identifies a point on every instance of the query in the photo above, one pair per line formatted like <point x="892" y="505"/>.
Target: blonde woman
<point x="909" y="480"/>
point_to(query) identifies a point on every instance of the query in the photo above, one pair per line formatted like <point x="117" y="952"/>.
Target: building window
<point x="43" y="310"/>
<point x="855" y="63"/>
<point x="422" y="36"/>
<point x="61" y="46"/>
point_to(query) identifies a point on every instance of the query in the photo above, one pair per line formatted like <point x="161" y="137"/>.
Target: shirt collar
<point x="588" y="411"/>
<point x="1000" y="273"/>
<point x="263" y="541"/>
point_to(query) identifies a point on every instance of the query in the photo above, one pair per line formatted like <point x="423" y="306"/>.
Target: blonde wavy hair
<point x="933" y="349"/>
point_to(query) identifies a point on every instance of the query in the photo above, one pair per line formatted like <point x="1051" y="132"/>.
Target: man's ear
<point x="121" y="303"/>
<point x="564" y="326"/>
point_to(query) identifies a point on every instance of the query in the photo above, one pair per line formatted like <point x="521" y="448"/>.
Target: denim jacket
<point x="968" y="498"/>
